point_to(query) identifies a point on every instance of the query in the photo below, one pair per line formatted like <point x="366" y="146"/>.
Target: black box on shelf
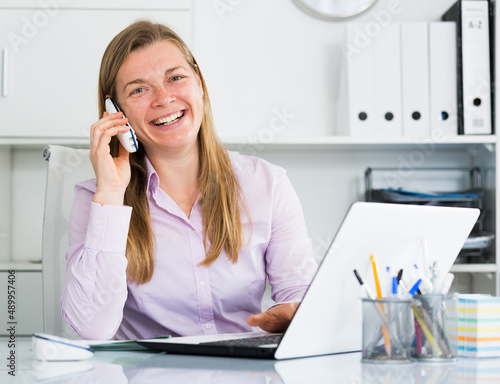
<point x="465" y="191"/>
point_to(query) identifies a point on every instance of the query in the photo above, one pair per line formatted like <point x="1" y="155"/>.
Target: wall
<point x="266" y="59"/>
<point x="261" y="56"/>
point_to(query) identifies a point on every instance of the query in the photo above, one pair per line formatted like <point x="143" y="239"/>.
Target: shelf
<point x="42" y="141"/>
<point x="325" y="142"/>
<point x="472" y="268"/>
<point x="18" y="266"/>
<point x="305" y="143"/>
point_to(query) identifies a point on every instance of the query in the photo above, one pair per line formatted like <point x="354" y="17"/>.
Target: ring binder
<point x="473" y="65"/>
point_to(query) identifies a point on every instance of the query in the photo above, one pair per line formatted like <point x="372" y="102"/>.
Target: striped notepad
<point x="478" y="326"/>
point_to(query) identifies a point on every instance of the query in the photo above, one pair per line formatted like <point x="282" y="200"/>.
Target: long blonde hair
<point x="220" y="195"/>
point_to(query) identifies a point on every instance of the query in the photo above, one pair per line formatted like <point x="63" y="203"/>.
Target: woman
<point x="179" y="237"/>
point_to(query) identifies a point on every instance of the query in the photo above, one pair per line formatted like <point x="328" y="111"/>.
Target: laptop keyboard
<point x="248" y="342"/>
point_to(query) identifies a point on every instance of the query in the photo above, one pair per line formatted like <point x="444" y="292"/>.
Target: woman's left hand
<point x="275" y="319"/>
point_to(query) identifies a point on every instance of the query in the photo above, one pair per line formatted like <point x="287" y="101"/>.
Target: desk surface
<point x="150" y="368"/>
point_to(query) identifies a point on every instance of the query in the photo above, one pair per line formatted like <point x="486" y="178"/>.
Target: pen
<point x="426" y="287"/>
<point x="435" y="275"/>
<point x="418" y="329"/>
<point x="415" y="288"/>
<point x="395" y="284"/>
<point x="367" y="289"/>
<point x="425" y="321"/>
<point x="387" y="340"/>
<point x="371" y="296"/>
<point x="379" y="309"/>
<point x="448" y="280"/>
<point x="434" y="326"/>
<point x="427" y="265"/>
<point x="400" y="281"/>
<point x="388" y="281"/>
<point x="418" y="335"/>
<point x="420" y="320"/>
<point x="424" y="328"/>
<point x="400" y="274"/>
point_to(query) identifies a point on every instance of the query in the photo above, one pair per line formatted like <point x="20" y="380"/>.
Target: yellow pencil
<point x="426" y="330"/>
<point x="385" y="332"/>
<point x="375" y="275"/>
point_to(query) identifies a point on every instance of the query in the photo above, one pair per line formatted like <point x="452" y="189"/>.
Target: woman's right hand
<point x="112" y="173"/>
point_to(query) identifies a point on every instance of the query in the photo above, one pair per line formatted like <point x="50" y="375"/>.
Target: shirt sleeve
<point x="290" y="262"/>
<point x="95" y="288"/>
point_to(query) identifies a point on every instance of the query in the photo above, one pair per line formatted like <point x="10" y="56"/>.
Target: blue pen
<point x="395" y="284"/>
<point x="388" y="281"/>
<point x="415" y="287"/>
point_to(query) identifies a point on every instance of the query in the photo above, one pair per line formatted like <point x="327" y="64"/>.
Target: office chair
<point x="66" y="167"/>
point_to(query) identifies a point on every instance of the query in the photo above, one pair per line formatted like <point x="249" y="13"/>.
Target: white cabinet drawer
<point x="21" y="302"/>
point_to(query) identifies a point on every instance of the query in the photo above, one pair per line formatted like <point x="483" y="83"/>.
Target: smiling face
<point x="162" y="96"/>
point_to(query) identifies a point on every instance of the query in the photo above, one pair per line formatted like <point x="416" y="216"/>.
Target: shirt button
<point x="96" y="239"/>
<point x="90" y="277"/>
<point x="98" y="222"/>
<point x="195" y="233"/>
<point x="208" y="326"/>
<point x="202" y="282"/>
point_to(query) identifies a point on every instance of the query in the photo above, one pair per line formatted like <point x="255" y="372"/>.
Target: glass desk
<point x="149" y="368"/>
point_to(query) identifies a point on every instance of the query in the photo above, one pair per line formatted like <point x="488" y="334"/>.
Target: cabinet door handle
<point x="5" y="69"/>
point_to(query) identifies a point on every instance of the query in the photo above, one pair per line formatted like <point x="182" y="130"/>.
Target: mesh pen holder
<point x="388" y="331"/>
<point x="436" y="327"/>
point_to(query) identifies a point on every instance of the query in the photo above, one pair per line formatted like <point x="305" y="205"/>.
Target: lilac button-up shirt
<point x="184" y="298"/>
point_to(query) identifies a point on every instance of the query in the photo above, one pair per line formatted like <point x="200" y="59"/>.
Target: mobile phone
<point x="128" y="139"/>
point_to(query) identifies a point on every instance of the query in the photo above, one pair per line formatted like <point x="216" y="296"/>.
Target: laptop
<point x="329" y="318"/>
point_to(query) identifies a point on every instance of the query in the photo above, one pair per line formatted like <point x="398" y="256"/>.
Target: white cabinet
<point x="21" y="299"/>
<point x="50" y="64"/>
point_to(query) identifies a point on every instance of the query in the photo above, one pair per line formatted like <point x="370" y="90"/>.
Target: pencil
<point x="418" y="336"/>
<point x="426" y="331"/>
<point x="375" y="275"/>
<point x="440" y="334"/>
<point x="387" y="340"/>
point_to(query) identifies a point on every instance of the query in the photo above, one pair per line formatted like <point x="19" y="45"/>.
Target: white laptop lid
<point x="329" y="318"/>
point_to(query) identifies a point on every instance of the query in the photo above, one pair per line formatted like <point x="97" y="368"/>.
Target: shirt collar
<point x="154" y="185"/>
<point x="153" y="179"/>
